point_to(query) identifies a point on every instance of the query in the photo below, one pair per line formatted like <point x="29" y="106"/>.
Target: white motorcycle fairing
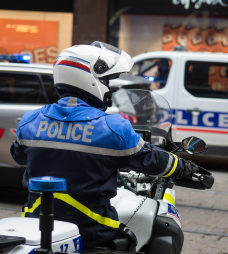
<point x="65" y="237"/>
<point x="168" y="210"/>
<point x="126" y="203"/>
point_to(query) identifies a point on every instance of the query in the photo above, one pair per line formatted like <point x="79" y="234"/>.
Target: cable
<point x="136" y="210"/>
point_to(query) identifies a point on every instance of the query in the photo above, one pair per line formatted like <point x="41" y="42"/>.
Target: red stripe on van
<point x="1" y="132"/>
<point x="201" y="130"/>
<point x="13" y="131"/>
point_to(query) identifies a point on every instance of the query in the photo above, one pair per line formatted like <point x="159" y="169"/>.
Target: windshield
<point x="144" y="109"/>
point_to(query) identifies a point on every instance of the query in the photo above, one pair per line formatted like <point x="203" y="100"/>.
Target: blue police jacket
<point x="73" y="140"/>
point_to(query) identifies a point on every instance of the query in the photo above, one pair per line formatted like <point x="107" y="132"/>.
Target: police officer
<point x="75" y="139"/>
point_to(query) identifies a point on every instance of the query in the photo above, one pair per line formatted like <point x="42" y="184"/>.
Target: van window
<point x="206" y="79"/>
<point x="49" y="88"/>
<point x="20" y="88"/>
<point x="155" y="70"/>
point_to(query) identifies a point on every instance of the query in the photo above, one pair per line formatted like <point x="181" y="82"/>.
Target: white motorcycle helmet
<point x="85" y="71"/>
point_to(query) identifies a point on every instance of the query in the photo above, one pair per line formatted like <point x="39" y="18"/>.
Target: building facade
<point x="44" y="28"/>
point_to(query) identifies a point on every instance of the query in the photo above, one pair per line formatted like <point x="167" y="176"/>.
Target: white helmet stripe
<point x="73" y="62"/>
<point x="73" y="58"/>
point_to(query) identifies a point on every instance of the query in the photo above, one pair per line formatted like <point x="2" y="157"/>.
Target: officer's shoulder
<point x="29" y="116"/>
<point x="118" y="124"/>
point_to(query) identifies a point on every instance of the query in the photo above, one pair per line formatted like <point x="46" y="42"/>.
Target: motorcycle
<point x="145" y="203"/>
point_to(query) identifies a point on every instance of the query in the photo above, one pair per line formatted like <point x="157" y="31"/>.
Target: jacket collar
<point x="71" y="109"/>
<point x="72" y="102"/>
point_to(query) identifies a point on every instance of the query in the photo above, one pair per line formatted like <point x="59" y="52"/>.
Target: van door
<point x="19" y="93"/>
<point x="202" y="102"/>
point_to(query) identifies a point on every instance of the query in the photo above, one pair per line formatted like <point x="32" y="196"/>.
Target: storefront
<point x="43" y="29"/>
<point x="41" y="34"/>
<point x="195" y="25"/>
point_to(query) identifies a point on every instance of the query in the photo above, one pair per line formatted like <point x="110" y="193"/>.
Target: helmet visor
<point x="108" y="58"/>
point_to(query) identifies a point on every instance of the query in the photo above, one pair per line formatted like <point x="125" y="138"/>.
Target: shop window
<point x="48" y="82"/>
<point x="20" y="88"/>
<point x="206" y="79"/>
<point x="154" y="70"/>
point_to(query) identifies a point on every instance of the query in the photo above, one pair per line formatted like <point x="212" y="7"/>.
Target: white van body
<point x="204" y="117"/>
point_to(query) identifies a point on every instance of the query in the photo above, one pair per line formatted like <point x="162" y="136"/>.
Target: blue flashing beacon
<point x="47" y="184"/>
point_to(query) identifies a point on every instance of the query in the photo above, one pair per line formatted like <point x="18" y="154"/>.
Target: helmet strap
<point x="105" y="81"/>
<point x="107" y="101"/>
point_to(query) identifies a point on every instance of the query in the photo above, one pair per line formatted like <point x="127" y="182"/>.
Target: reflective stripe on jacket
<point x="66" y="198"/>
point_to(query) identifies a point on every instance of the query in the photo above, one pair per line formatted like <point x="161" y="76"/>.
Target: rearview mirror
<point x="194" y="145"/>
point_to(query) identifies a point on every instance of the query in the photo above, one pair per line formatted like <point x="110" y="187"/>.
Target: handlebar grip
<point x="206" y="180"/>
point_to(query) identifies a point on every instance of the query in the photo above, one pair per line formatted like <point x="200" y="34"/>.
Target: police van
<point x="196" y="87"/>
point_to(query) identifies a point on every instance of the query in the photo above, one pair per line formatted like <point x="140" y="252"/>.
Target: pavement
<point x="204" y="212"/>
<point x="207" y="213"/>
<point x="11" y="201"/>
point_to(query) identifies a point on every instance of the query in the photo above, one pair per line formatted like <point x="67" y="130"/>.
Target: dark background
<point x="164" y="7"/>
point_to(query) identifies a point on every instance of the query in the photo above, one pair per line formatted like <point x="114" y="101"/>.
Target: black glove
<point x="189" y="168"/>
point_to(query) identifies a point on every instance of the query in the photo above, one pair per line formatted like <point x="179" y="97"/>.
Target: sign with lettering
<point x="38" y="38"/>
<point x="195" y="38"/>
<point x="198" y="3"/>
<point x="206" y="120"/>
<point x="214" y="8"/>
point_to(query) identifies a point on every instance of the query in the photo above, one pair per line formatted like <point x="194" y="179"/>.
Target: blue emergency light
<point x="16" y="58"/>
<point x="47" y="183"/>
<point x="149" y="78"/>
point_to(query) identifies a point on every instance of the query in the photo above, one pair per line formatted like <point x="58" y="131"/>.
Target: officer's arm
<point x="153" y="160"/>
<point x="150" y="159"/>
<point x="18" y="153"/>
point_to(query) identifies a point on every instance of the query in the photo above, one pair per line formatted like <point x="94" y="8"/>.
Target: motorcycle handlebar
<point x="125" y="185"/>
<point x="202" y="180"/>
